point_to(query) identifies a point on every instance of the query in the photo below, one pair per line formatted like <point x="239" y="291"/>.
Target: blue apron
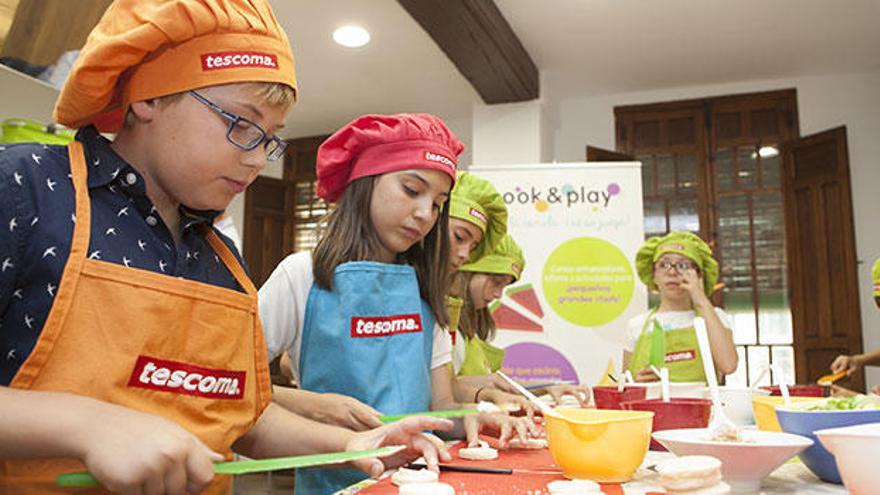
<point x="370" y="338"/>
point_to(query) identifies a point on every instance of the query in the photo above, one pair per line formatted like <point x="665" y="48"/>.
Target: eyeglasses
<point x="681" y="266"/>
<point x="244" y="134"/>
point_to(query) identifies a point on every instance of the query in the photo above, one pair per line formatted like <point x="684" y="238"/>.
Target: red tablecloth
<point x="481" y="483"/>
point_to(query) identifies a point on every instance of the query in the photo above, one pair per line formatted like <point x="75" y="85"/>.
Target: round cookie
<point x="574" y="487"/>
<point x="481" y="453"/>
<point x="404" y="476"/>
<point x="426" y="489"/>
<point x="530" y="443"/>
<point x="690" y="472"/>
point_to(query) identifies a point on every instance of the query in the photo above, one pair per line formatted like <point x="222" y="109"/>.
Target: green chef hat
<point x="684" y="243"/>
<point x="475" y="200"/>
<point x="506" y="259"/>
<point x="875" y="274"/>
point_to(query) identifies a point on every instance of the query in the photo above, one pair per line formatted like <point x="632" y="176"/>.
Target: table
<point x="790" y="478"/>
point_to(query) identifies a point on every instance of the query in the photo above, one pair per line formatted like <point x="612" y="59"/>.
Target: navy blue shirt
<point x="36" y="225"/>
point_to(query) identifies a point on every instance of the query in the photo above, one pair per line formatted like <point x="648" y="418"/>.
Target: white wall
<point x="824" y="102"/>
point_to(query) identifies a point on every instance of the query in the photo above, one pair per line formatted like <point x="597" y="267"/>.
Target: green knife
<point x="257" y="465"/>
<point x="453" y="413"/>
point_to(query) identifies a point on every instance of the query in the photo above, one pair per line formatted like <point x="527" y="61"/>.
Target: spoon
<point x="720" y="424"/>
<point x="545" y="409"/>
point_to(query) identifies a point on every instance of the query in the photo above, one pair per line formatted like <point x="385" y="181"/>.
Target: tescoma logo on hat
<point x="229" y="60"/>
<point x="479" y="216"/>
<point x="436" y="157"/>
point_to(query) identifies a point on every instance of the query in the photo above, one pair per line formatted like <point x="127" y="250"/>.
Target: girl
<point x="478" y="284"/>
<point x="361" y="316"/>
<point x="681" y="268"/>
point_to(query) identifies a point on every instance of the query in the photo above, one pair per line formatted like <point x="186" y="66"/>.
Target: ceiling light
<point x="351" y="36"/>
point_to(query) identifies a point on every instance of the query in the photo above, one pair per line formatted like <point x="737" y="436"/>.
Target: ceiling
<point x="581" y="47"/>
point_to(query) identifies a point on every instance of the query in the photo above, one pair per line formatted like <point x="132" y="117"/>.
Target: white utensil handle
<point x="706" y="355"/>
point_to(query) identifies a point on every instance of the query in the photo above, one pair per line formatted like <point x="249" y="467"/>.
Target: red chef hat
<point x="378" y="144"/>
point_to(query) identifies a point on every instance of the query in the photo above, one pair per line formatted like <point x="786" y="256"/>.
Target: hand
<point x="580" y="392"/>
<point x="499" y="423"/>
<point x="133" y="452"/>
<point x="693" y="284"/>
<point x="876" y="390"/>
<point x="646" y="375"/>
<point x="347" y="412"/>
<point x="501" y="398"/>
<point x="407" y="432"/>
<point x="850" y="364"/>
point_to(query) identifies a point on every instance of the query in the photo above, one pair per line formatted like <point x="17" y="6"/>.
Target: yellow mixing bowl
<point x="765" y="410"/>
<point x="599" y="444"/>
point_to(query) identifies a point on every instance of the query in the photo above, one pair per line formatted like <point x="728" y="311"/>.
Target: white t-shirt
<point x="283" y="310"/>
<point x="669" y="320"/>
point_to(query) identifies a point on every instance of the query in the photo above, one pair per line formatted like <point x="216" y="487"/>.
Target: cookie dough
<point x="691" y="472"/>
<point x="426" y="489"/>
<point x="481" y="453"/>
<point x="574" y="487"/>
<point x="404" y="476"/>
<point x="531" y="443"/>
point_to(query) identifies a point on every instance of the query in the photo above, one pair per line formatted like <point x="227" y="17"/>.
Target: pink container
<point x="610" y="398"/>
<point x="679" y="412"/>
<point x="798" y="390"/>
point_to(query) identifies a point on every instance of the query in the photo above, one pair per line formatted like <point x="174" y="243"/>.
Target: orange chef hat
<point x="144" y="49"/>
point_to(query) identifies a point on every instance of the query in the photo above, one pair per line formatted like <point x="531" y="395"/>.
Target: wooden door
<point x="821" y="250"/>
<point x="595" y="154"/>
<point x="267" y="229"/>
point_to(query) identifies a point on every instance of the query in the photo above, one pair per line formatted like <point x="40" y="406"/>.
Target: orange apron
<point x="188" y="351"/>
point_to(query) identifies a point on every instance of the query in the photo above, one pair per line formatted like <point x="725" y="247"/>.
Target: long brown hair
<point x="473" y="321"/>
<point x="347" y="234"/>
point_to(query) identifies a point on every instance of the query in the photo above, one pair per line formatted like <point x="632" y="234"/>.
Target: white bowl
<point x="854" y="448"/>
<point x="737" y="402"/>
<point x="743" y="464"/>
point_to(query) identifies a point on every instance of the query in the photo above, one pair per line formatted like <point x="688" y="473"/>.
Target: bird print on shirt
<point x="7" y="264"/>
<point x="142" y="245"/>
<point x="17" y="178"/>
<point x="36" y="158"/>
<point x="126" y="262"/>
<point x="29" y="321"/>
<point x="111" y="231"/>
<point x="13" y="224"/>
<point x="51" y="184"/>
<point x="51" y="289"/>
<point x="123" y="211"/>
<point x="34" y="221"/>
<point x="50" y="251"/>
<point x="95" y="255"/>
<point x="162" y="265"/>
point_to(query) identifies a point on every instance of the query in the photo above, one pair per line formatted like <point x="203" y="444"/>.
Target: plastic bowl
<point x="675" y="414"/>
<point x="598" y="444"/>
<point x="765" y="410"/>
<point x="849" y="446"/>
<point x="610" y="397"/>
<point x="798" y="390"/>
<point x="743" y="464"/>
<point x="805" y="423"/>
<point x="737" y="402"/>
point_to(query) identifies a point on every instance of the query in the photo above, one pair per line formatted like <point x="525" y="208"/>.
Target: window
<point x="712" y="166"/>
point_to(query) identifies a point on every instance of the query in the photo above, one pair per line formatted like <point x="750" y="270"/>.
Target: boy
<point x="130" y="338"/>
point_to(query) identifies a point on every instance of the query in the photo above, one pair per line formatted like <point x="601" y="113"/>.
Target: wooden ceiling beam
<point x="479" y="41"/>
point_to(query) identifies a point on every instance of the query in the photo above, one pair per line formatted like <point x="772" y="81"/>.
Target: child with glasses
<point x="131" y="345"/>
<point x="680" y="267"/>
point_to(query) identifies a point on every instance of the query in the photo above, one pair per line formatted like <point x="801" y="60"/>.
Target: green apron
<point x="480" y="358"/>
<point x="676" y="349"/>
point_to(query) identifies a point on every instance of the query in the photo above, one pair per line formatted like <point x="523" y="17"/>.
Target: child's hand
<point x="347" y="412"/>
<point x="501" y="398"/>
<point x="500" y="425"/>
<point x="133" y="452"/>
<point x="580" y="392"/>
<point x="846" y="363"/>
<point x="406" y="432"/>
<point x="693" y="284"/>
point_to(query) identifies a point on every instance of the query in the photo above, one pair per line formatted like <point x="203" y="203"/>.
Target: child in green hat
<point x="680" y="267"/>
<point x="850" y="364"/>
